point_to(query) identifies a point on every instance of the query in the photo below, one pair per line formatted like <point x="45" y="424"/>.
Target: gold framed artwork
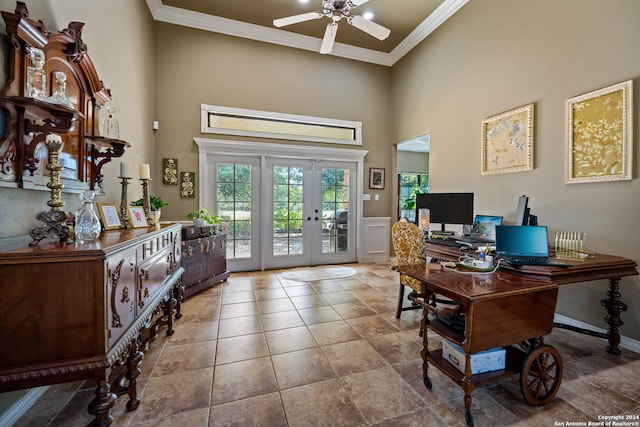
<point x="137" y="217"/>
<point x="109" y="216"/>
<point x="187" y="185"/>
<point x="376" y="178"/>
<point x="507" y="142"/>
<point x="599" y="135"/>
<point x="170" y="171"/>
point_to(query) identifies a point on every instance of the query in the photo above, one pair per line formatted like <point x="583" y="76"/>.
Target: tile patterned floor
<point x="264" y="351"/>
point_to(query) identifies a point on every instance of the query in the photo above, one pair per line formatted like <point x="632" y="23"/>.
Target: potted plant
<point x="155" y="204"/>
<point x="202" y="217"/>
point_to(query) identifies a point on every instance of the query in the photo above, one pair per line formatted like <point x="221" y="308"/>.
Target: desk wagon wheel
<point x="541" y="375"/>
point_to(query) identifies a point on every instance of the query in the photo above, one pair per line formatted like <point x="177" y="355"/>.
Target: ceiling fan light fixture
<point x="368" y="15"/>
<point x="336" y="10"/>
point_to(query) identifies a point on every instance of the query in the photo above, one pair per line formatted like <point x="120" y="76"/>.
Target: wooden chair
<point x="407" y="244"/>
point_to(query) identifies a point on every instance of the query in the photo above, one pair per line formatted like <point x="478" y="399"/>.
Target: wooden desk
<point x="502" y="309"/>
<point x="85" y="311"/>
<point x="599" y="267"/>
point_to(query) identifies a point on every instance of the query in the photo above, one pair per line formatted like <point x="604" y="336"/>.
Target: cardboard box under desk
<point x="485" y="361"/>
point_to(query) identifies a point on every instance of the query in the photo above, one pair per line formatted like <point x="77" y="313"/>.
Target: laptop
<point x="483" y="230"/>
<point x="524" y="245"/>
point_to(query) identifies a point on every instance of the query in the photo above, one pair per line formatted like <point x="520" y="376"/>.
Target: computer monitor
<point x="522" y="212"/>
<point x="484" y="226"/>
<point x="447" y="208"/>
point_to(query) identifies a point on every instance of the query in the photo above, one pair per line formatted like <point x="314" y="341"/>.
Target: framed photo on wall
<point x="376" y="178"/>
<point x="598" y="141"/>
<point x="507" y="142"/>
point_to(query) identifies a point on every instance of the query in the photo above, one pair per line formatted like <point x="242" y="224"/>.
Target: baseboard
<point x="625" y="342"/>
<point x="21" y="406"/>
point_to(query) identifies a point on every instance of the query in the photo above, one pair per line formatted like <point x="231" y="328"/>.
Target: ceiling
<point x="410" y="21"/>
<point x="420" y="144"/>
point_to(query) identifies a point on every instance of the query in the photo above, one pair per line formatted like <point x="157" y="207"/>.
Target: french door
<point x="309" y="210"/>
<point x="284" y="212"/>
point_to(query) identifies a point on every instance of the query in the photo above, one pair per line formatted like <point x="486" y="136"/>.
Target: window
<point x="335" y="209"/>
<point x="233" y="196"/>
<point x="409" y="184"/>
<point x="287" y="210"/>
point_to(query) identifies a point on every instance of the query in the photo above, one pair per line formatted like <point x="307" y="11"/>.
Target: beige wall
<point x="222" y="70"/>
<point x="496" y="55"/>
<point x="123" y="55"/>
<point x="413" y="162"/>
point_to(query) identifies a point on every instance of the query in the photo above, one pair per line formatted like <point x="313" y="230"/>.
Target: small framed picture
<point x="109" y="216"/>
<point x="170" y="171"/>
<point x="137" y="217"/>
<point x="376" y="178"/>
<point x="187" y="185"/>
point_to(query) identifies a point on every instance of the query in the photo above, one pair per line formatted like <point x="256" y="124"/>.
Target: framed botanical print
<point x="187" y="185"/>
<point x="507" y="142"/>
<point x="599" y="136"/>
<point x="137" y="217"/>
<point x="170" y="171"/>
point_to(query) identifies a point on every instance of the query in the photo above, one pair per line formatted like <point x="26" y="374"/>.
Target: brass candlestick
<point x="56" y="220"/>
<point x="124" y="214"/>
<point x="146" y="204"/>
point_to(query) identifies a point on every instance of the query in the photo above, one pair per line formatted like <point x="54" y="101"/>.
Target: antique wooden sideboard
<point x="204" y="259"/>
<point x="87" y="311"/>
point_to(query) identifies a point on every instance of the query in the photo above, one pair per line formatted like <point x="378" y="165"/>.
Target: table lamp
<point x="424" y="219"/>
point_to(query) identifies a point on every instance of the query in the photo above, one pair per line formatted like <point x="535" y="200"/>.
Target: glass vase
<point x="36" y="78"/>
<point x="87" y="222"/>
<point x="60" y="95"/>
<point x="109" y="127"/>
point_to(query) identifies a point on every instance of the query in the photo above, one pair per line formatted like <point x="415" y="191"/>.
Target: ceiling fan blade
<point x="356" y="3"/>
<point x="329" y="37"/>
<point x="281" y="22"/>
<point x="370" y="27"/>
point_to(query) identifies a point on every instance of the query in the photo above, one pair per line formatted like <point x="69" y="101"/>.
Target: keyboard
<point x="471" y="239"/>
<point x="533" y="260"/>
<point x="445" y="242"/>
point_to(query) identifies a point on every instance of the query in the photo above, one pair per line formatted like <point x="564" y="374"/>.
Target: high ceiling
<point x="410" y="21"/>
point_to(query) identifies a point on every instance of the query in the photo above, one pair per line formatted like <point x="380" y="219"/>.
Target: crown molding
<point x="202" y="21"/>
<point x="429" y="25"/>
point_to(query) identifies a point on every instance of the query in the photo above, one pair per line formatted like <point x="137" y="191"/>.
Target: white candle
<point x="145" y="173"/>
<point x="125" y="169"/>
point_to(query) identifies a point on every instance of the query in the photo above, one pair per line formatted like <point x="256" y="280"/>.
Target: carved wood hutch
<point x="73" y="311"/>
<point x="29" y="120"/>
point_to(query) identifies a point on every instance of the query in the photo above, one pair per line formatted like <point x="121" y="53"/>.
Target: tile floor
<point x="264" y="351"/>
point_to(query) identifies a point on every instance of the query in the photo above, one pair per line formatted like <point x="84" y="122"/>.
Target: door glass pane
<point x="335" y="210"/>
<point x="233" y="202"/>
<point x="287" y="210"/>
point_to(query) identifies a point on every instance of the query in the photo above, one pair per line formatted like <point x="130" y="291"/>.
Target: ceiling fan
<point x="336" y="10"/>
